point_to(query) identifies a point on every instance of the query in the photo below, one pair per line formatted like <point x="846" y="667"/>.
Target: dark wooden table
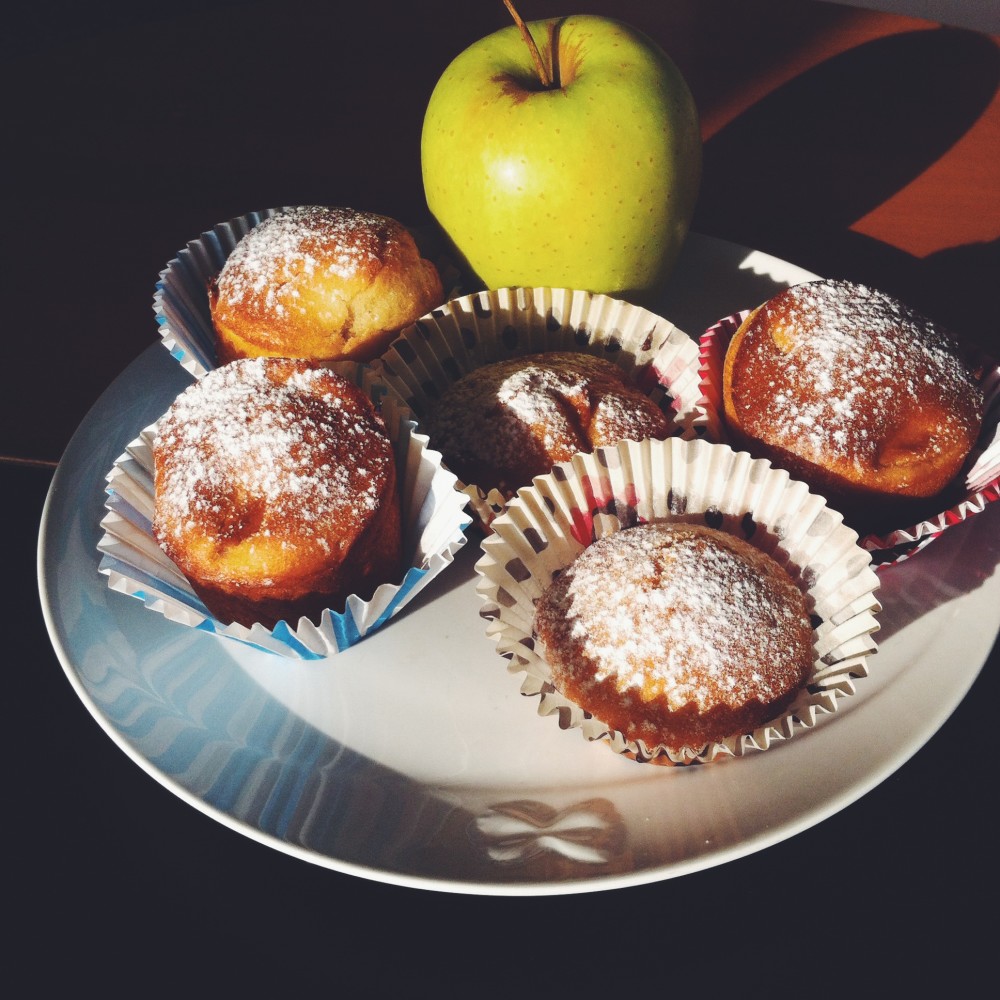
<point x="853" y="143"/>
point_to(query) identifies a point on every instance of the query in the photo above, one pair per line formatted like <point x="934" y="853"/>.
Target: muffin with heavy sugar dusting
<point x="867" y="401"/>
<point x="676" y="634"/>
<point x="275" y="491"/>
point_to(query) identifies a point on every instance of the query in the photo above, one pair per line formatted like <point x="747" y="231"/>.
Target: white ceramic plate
<point x="412" y="758"/>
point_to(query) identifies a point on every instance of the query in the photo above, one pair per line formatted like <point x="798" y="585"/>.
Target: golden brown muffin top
<point x="678" y="614"/>
<point x="268" y="455"/>
<point x="846" y="376"/>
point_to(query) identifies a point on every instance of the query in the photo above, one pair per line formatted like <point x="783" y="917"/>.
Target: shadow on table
<point x="842" y="138"/>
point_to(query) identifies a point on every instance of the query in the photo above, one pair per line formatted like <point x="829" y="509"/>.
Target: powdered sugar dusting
<point x="844" y="368"/>
<point x="306" y="240"/>
<point x="268" y="446"/>
<point x="667" y="616"/>
<point x="507" y="421"/>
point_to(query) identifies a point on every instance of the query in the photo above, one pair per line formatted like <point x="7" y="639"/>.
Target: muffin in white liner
<point x="434" y="523"/>
<point x="548" y="524"/>
<point x="981" y="473"/>
<point x="181" y="300"/>
<point x="474" y="330"/>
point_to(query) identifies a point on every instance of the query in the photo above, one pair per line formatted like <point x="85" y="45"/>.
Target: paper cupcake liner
<point x="549" y="523"/>
<point x="180" y="302"/>
<point x="982" y="475"/>
<point x="488" y="326"/>
<point x="434" y="523"/>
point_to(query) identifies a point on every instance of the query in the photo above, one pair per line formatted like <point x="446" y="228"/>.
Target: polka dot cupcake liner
<point x="545" y="526"/>
<point x="434" y="525"/>
<point x="474" y="330"/>
<point x="981" y="476"/>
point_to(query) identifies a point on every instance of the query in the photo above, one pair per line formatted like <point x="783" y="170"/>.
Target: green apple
<point x="588" y="182"/>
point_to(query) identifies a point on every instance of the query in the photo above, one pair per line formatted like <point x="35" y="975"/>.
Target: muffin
<point x="507" y="326"/>
<point x="501" y="425"/>
<point x="867" y="401"/>
<point x="275" y="491"/>
<point x="321" y="283"/>
<point x="678" y="601"/>
<point x="676" y="634"/>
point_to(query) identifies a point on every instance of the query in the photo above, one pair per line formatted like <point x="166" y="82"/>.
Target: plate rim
<point x="808" y="818"/>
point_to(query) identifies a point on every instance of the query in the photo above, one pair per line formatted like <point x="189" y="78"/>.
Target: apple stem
<point x="543" y="73"/>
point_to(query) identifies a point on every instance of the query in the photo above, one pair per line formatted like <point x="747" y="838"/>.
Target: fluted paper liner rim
<point x="981" y="472"/>
<point x="549" y="523"/>
<point x="484" y="327"/>
<point x="434" y="523"/>
<point x="180" y="299"/>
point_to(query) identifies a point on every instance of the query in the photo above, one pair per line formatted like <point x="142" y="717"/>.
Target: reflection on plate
<point x="412" y="758"/>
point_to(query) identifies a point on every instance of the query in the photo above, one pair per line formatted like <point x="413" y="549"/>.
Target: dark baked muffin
<point x="504" y="423"/>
